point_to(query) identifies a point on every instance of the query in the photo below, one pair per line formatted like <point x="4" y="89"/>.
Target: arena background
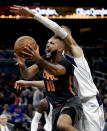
<point x="88" y="29"/>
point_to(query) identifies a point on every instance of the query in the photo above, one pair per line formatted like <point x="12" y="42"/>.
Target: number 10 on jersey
<point x="50" y="86"/>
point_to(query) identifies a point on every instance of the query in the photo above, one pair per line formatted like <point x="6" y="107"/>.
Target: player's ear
<point x="60" y="50"/>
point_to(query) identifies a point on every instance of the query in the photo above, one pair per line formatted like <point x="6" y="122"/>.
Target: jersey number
<point x="50" y="86"/>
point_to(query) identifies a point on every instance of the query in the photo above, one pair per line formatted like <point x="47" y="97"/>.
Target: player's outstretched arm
<point x="24" y="12"/>
<point x="22" y="83"/>
<point x="76" y="51"/>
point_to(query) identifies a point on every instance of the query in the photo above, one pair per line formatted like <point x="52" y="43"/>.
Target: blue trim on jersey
<point x="42" y="119"/>
<point x="48" y="106"/>
<point x="70" y="59"/>
<point x="99" y="100"/>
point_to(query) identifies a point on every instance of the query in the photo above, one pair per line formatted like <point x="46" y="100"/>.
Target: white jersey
<point x="82" y="77"/>
<point x="93" y="118"/>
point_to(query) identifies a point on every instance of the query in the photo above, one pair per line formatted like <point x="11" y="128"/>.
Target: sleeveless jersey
<point x="82" y="77"/>
<point x="60" y="88"/>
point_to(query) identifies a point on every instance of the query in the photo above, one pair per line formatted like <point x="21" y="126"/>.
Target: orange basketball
<point x="21" y="42"/>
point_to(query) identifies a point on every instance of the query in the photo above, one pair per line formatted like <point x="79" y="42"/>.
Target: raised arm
<point x="75" y="50"/>
<point x="24" y="12"/>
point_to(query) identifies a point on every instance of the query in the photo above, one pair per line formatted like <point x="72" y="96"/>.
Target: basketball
<point x="21" y="43"/>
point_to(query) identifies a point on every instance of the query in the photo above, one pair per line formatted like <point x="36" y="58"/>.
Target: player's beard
<point x="53" y="55"/>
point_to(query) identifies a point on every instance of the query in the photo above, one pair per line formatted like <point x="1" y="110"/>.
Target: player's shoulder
<point x="64" y="60"/>
<point x="67" y="64"/>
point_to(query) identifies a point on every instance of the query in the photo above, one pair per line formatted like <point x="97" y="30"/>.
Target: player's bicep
<point x="76" y="51"/>
<point x="32" y="70"/>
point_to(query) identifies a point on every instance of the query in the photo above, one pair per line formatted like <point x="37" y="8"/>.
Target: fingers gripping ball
<point x="22" y="42"/>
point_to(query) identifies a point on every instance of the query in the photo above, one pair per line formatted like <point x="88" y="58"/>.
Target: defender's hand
<point x="22" y="11"/>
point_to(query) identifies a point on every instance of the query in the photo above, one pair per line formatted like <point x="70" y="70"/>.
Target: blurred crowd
<point x="18" y="106"/>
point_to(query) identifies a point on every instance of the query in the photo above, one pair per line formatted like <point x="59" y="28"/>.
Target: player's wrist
<point x="32" y="14"/>
<point x="22" y="65"/>
<point x="38" y="58"/>
<point x="61" y="33"/>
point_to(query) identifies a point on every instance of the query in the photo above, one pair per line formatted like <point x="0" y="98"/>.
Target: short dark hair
<point x="57" y="37"/>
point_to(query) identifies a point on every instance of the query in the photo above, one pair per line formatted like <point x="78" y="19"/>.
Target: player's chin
<point x="48" y="55"/>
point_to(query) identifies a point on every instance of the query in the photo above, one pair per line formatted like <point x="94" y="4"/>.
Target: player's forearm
<point x="51" y="68"/>
<point x="38" y="84"/>
<point x="29" y="72"/>
<point x="51" y="25"/>
<point x="23" y="71"/>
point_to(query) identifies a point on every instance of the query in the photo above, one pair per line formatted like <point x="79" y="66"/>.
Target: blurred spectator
<point x="5" y="109"/>
<point x="104" y="88"/>
<point x="30" y="111"/>
<point x="23" y="100"/>
<point x="2" y="100"/>
<point x="105" y="102"/>
<point x="3" y="123"/>
<point x="37" y="96"/>
<point x="28" y="93"/>
<point x="12" y="98"/>
<point x="16" y="113"/>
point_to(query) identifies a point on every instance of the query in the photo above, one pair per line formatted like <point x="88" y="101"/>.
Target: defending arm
<point x="51" y="25"/>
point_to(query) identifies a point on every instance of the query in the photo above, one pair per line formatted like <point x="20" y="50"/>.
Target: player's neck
<point x="56" y="58"/>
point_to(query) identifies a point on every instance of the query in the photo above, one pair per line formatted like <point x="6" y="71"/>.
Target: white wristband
<point x="51" y="25"/>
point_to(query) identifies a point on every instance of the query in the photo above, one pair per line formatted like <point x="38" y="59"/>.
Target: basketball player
<point x="93" y="119"/>
<point x="44" y="109"/>
<point x="58" y="75"/>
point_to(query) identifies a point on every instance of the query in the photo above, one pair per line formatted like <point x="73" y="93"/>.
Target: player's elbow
<point x="26" y="76"/>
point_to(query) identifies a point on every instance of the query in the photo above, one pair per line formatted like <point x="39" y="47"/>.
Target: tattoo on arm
<point x="51" y="68"/>
<point x="54" y="69"/>
<point x="23" y="70"/>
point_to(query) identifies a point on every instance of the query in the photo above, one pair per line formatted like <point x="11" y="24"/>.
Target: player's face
<point x="51" y="48"/>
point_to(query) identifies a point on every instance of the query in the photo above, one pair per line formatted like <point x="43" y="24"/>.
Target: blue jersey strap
<point x="99" y="100"/>
<point x="70" y="59"/>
